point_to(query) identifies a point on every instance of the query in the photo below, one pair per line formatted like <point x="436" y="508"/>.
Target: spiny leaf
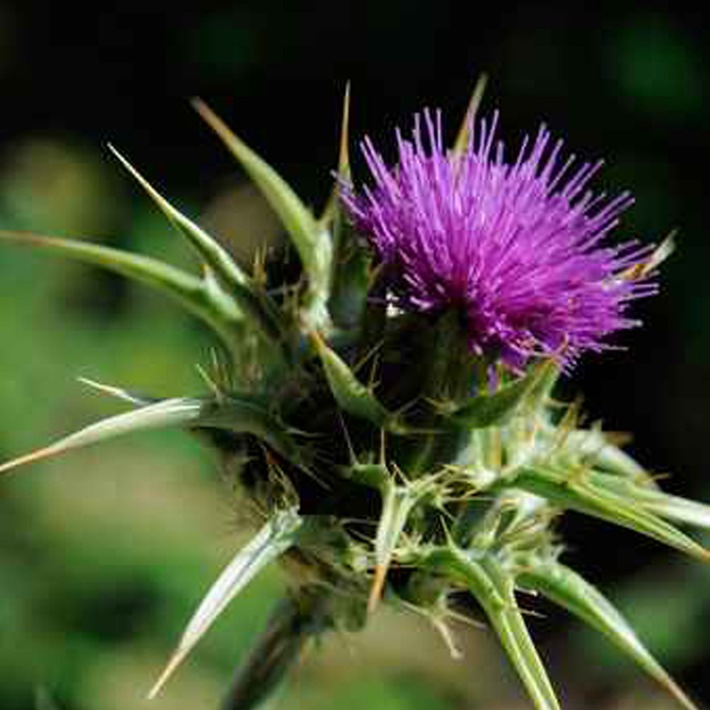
<point x="272" y="540"/>
<point x="235" y="282"/>
<point x="312" y="242"/>
<point x="223" y="315"/>
<point x="233" y="414"/>
<point x="241" y="415"/>
<point x="572" y="491"/>
<point x="496" y="409"/>
<point x="571" y="591"/>
<point x="494" y="591"/>
<point x="178" y="412"/>
<point x="351" y="281"/>
<point x="373" y="475"/>
<point x="464" y="133"/>
<point x="397" y="504"/>
<point x="350" y="393"/>
<point x="654" y="500"/>
<point x="510" y="626"/>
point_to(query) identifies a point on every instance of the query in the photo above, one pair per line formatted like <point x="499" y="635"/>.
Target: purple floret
<point x="515" y="246"/>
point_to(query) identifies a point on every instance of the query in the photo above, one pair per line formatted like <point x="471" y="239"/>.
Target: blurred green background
<point x="104" y="554"/>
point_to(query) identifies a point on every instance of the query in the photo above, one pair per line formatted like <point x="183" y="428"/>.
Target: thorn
<point x="348" y="440"/>
<point x="399" y="474"/>
<point x="378" y="584"/>
<point x="108" y="389"/>
<point x="344" y="154"/>
<point x="172" y="664"/>
<point x="343" y="161"/>
<point x="383" y="447"/>
<point x="373" y="382"/>
<point x="462" y="618"/>
<point x="448" y="638"/>
<point x="514" y="606"/>
<point x="215" y="122"/>
<point x="129" y="167"/>
<point x="371" y="353"/>
<point x="112" y="391"/>
<point x="32" y="457"/>
<point x="219" y="396"/>
<point x="471" y="110"/>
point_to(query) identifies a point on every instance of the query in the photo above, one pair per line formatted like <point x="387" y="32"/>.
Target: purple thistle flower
<point x="516" y="246"/>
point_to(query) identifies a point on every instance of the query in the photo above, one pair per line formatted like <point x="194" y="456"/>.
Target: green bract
<point x="379" y="459"/>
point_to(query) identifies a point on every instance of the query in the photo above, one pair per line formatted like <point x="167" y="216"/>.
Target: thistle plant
<point x="389" y="417"/>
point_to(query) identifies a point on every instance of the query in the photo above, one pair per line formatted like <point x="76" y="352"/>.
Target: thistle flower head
<point x="515" y="245"/>
<point x="408" y="486"/>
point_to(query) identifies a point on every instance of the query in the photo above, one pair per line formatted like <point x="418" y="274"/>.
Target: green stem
<point x="277" y="650"/>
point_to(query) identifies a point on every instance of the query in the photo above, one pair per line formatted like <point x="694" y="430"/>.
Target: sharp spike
<point x="344" y="154"/>
<point x="117" y="392"/>
<point x="312" y="242"/>
<point x="32" y="457"/>
<point x="378" y="584"/>
<point x="474" y="104"/>
<point x="215" y="256"/>
<point x="218" y="260"/>
<point x="163" y="414"/>
<point x="277" y="535"/>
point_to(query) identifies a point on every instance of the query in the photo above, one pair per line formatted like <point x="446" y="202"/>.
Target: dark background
<point x="620" y="80"/>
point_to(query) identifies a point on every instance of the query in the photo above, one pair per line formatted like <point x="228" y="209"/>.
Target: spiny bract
<point x="389" y="416"/>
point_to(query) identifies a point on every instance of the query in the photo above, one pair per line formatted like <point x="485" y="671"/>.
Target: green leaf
<point x="509" y="624"/>
<point x="572" y="491"/>
<point x="494" y="591"/>
<point x="350" y="394"/>
<point x="312" y="242"/>
<point x="271" y="542"/>
<point x="221" y="314"/>
<point x="229" y="414"/>
<point x="230" y="276"/>
<point x="496" y="409"/>
<point x="349" y="298"/>
<point x="242" y="415"/>
<point x="654" y="500"/>
<point x="398" y="501"/>
<point x="168" y="413"/>
<point x="571" y="591"/>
